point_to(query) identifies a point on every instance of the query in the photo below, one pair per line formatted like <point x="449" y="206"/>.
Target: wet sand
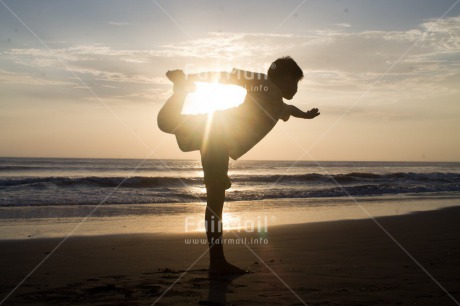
<point x="352" y="262"/>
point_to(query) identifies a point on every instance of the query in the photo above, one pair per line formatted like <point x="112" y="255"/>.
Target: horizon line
<point x="197" y="159"/>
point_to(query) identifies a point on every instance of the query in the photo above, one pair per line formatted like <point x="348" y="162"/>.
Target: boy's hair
<point x="285" y="66"/>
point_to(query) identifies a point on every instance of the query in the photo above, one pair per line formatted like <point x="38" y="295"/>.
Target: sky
<point x="87" y="78"/>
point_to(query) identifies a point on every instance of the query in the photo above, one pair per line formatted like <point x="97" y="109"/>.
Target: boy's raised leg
<point x="170" y="116"/>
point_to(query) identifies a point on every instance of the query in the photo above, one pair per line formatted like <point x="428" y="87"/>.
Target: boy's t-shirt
<point x="239" y="128"/>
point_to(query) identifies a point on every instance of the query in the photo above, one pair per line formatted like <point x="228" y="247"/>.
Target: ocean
<point x="55" y="197"/>
<point x="62" y="181"/>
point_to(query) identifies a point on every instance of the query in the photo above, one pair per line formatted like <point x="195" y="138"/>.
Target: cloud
<point x="418" y="62"/>
<point x="118" y="23"/>
<point x="342" y="25"/>
<point x="98" y="69"/>
<point x="334" y="60"/>
<point x="231" y="46"/>
<point x="7" y="77"/>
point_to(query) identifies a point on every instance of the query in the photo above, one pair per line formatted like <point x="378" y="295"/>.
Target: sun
<point x="210" y="97"/>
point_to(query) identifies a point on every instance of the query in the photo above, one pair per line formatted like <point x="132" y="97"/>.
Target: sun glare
<point x="210" y="97"/>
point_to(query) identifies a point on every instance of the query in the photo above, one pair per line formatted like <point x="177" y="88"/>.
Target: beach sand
<point x="352" y="262"/>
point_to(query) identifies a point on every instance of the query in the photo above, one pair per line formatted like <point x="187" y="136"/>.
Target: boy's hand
<point x="312" y="113"/>
<point x="291" y="110"/>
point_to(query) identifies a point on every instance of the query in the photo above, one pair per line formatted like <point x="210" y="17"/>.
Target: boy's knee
<point x="163" y="125"/>
<point x="166" y="123"/>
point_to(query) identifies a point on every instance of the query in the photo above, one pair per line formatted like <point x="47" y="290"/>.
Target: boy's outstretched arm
<point x="291" y="110"/>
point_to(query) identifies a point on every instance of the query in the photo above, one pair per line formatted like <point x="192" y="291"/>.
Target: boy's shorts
<point x="196" y="133"/>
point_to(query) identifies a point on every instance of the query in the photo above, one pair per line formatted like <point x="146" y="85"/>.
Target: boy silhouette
<point x="229" y="133"/>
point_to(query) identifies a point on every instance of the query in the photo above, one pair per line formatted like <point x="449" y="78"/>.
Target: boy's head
<point x="285" y="73"/>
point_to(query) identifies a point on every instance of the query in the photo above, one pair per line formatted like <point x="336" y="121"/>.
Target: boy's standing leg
<point x="215" y="159"/>
<point x="215" y="165"/>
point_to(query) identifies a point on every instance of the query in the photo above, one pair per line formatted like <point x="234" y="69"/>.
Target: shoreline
<point x="58" y="221"/>
<point x="333" y="262"/>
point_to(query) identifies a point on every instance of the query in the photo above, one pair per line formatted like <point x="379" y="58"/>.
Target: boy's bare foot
<point x="176" y="76"/>
<point x="225" y="268"/>
<point x="180" y="82"/>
